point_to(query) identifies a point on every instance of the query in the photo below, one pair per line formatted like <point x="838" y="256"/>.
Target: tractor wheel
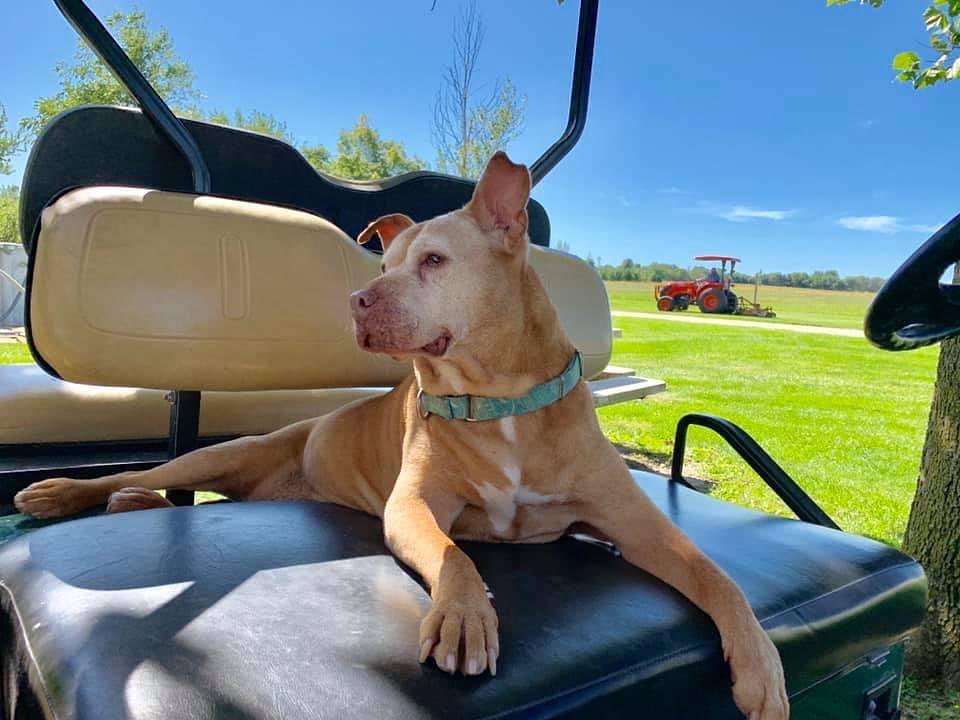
<point x="732" y="302"/>
<point x="712" y="301"/>
<point x="665" y="304"/>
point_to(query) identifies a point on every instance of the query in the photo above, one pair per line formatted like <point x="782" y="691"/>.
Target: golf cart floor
<point x="297" y="610"/>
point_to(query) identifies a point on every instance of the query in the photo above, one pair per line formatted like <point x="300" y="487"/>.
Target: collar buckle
<point x="471" y="410"/>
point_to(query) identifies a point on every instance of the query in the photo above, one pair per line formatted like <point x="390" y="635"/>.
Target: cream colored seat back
<point x="142" y="288"/>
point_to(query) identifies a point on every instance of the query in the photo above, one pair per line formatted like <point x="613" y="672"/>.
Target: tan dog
<point x="459" y="298"/>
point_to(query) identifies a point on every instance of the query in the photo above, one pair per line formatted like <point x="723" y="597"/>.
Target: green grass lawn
<point x="845" y="420"/>
<point x="792" y="305"/>
<point x="14" y="353"/>
<point x="922" y="703"/>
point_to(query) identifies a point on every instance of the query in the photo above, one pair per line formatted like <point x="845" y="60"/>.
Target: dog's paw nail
<point x="451" y="663"/>
<point x="492" y="661"/>
<point x="425" y="650"/>
<point x="472" y="667"/>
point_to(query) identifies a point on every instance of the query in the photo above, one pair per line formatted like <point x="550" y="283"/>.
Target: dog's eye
<point x="383" y="268"/>
<point x="432" y="260"/>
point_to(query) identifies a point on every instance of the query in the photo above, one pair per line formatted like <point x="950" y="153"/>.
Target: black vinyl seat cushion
<point x="296" y="610"/>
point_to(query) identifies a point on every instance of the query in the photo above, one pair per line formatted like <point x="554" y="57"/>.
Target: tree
<point x="942" y="22"/>
<point x="933" y="529"/>
<point x="318" y="156"/>
<point x="9" y="143"/>
<point x="9" y="196"/>
<point x="467" y="130"/>
<point x="256" y="121"/>
<point x="88" y="81"/>
<point x="9" y="214"/>
<point x="362" y="155"/>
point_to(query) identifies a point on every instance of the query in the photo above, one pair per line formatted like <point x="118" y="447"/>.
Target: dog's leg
<point x="620" y="510"/>
<point x="417" y="522"/>
<point x="238" y="469"/>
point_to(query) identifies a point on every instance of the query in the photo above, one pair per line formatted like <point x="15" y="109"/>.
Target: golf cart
<point x="712" y="294"/>
<point x="174" y="255"/>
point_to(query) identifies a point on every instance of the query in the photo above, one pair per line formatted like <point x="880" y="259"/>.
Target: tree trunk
<point x="933" y="531"/>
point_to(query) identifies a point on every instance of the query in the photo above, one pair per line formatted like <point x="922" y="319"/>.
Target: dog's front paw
<point x="461" y="620"/>
<point x="758" y="685"/>
<point x="55" y="497"/>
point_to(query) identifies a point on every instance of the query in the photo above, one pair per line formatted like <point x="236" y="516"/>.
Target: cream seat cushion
<point x="142" y="288"/>
<point x="38" y="408"/>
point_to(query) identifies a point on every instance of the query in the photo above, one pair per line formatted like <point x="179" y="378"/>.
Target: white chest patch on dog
<point x="501" y="502"/>
<point x="526" y="496"/>
<point x="509" y="430"/>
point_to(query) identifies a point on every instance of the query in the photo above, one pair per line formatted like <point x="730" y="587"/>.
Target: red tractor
<point x="712" y="294"/>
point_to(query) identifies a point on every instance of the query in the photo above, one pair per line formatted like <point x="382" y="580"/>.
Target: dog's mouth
<point x="436" y="348"/>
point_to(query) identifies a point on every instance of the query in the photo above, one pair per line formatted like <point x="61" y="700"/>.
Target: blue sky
<point x="768" y="130"/>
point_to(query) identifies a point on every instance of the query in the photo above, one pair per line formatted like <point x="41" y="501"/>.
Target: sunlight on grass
<point x="829" y="308"/>
<point x="14" y="353"/>
<point x="845" y="420"/>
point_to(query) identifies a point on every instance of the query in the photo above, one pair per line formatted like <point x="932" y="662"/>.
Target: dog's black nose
<point x="362" y="300"/>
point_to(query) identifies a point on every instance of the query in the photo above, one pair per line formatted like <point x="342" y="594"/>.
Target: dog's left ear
<point x="387" y="227"/>
<point x="500" y="200"/>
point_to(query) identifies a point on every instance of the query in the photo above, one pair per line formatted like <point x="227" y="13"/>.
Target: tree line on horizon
<point x="630" y="271"/>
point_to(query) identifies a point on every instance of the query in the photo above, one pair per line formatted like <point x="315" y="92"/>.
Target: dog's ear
<point x="387" y="227"/>
<point x="500" y="200"/>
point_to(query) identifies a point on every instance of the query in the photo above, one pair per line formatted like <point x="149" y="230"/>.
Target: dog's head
<point x="445" y="282"/>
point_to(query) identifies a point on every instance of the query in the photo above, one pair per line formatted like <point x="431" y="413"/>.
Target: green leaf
<point x="874" y="3"/>
<point x="906" y="61"/>
<point x="935" y="19"/>
<point x="954" y="72"/>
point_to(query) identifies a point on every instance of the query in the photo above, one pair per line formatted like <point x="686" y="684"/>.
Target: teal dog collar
<point x="474" y="408"/>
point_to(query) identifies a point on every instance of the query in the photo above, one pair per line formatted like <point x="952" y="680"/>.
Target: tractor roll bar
<point x="89" y="27"/>
<point x="579" y="93"/>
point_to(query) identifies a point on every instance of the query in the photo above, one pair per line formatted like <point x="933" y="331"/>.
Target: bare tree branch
<point x="467" y="130"/>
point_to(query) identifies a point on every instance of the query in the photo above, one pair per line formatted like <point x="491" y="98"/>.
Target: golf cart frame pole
<point x="89" y="27"/>
<point x="185" y="404"/>
<point x="579" y="93"/>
